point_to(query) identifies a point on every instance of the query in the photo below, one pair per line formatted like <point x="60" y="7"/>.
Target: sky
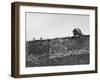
<point x="48" y="25"/>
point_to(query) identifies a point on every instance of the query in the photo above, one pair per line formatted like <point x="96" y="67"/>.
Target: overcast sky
<point x="54" y="25"/>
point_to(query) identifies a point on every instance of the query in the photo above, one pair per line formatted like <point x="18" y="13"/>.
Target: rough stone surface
<point x="59" y="51"/>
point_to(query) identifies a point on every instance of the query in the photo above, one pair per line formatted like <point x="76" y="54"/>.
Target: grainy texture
<point x="59" y="51"/>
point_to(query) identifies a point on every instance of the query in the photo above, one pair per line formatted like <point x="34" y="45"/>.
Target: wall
<point x="5" y="40"/>
<point x="58" y="51"/>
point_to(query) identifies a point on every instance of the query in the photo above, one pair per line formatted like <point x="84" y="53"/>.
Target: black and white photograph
<point x="57" y="39"/>
<point x="53" y="39"/>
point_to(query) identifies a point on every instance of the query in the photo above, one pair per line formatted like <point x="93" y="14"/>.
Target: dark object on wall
<point x="77" y="32"/>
